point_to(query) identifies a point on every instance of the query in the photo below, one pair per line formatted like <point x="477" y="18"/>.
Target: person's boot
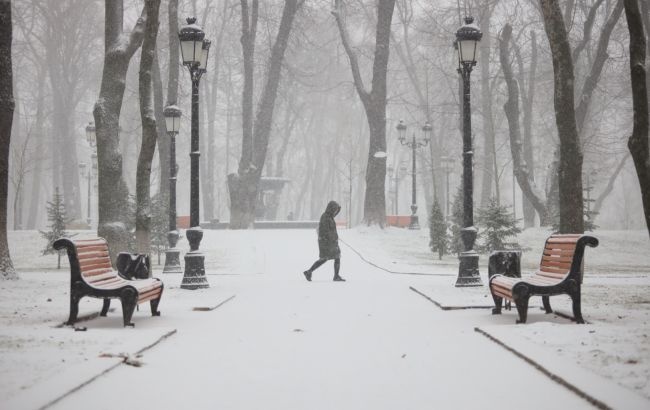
<point x="337" y="278"/>
<point x="307" y="275"/>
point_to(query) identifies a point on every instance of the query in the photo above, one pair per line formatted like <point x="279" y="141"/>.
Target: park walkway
<point x="285" y="343"/>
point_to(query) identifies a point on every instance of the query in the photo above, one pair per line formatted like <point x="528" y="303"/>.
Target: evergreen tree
<point x="56" y="215"/>
<point x="437" y="230"/>
<point x="498" y="224"/>
<point x="456" y="217"/>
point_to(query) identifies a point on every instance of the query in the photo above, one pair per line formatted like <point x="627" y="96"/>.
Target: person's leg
<point x="337" y="267"/>
<point x="315" y="266"/>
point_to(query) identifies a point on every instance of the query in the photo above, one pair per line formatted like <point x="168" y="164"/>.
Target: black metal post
<point x="89" y="177"/>
<point x="194" y="276"/>
<point x="172" y="255"/>
<point x="468" y="273"/>
<point x="415" y="224"/>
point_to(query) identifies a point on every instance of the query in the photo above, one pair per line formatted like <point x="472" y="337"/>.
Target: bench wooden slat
<point x="100" y="277"/>
<point x="93" y="255"/>
<point x="89" y="263"/>
<point x="553" y="269"/>
<point x="91" y="275"/>
<point x="557" y="258"/>
<point x="558" y="265"/>
<point x="564" y="239"/>
<point x="562" y="246"/>
<point x="84" y="250"/>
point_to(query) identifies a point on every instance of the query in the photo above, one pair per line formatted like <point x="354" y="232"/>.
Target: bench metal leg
<point x="154" y="303"/>
<point x="547" y="304"/>
<point x="497" y="304"/>
<point x="129" y="299"/>
<point x="107" y="305"/>
<point x="154" y="306"/>
<point x="74" y="307"/>
<point x="522" y="309"/>
<point x="577" y="311"/>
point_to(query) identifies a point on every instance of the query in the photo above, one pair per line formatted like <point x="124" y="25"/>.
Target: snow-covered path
<point x="285" y="343"/>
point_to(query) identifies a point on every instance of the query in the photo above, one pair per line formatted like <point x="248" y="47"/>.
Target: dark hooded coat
<point x="328" y="238"/>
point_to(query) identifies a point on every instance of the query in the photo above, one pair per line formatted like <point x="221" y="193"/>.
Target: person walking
<point x="328" y="242"/>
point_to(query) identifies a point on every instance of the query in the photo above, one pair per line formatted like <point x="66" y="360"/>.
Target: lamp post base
<point x="173" y="261"/>
<point x="415" y="223"/>
<point x="194" y="276"/>
<point x="468" y="274"/>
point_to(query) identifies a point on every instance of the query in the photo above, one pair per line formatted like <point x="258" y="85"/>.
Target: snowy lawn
<point x="615" y="297"/>
<point x="277" y="320"/>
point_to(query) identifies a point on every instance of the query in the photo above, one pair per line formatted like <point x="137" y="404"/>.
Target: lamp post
<point x="194" y="50"/>
<point x="414" y="144"/>
<point x="91" y="137"/>
<point x="467" y="39"/>
<point x="447" y="166"/>
<point x="88" y="176"/>
<point x="172" y="256"/>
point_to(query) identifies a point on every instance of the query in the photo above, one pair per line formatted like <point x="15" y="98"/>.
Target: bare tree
<point x="638" y="142"/>
<point x="570" y="168"/>
<point x="149" y="130"/>
<point x="119" y="47"/>
<point x="7" y="270"/>
<point x="244" y="185"/>
<point x="374" y="103"/>
<point x="522" y="170"/>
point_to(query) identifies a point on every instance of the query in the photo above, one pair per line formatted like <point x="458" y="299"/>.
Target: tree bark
<point x="489" y="178"/>
<point x="528" y="101"/>
<point x="244" y="185"/>
<point x="164" y="143"/>
<point x="570" y="169"/>
<point x="597" y="67"/>
<point x="7" y="270"/>
<point x="113" y="192"/>
<point x="35" y="202"/>
<point x="374" y="104"/>
<point x="638" y="143"/>
<point x="522" y="170"/>
<point x="149" y="130"/>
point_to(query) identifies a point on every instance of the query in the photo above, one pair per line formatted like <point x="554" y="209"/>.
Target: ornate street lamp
<point x="194" y="50"/>
<point x="467" y="39"/>
<point x="172" y="256"/>
<point x="413" y="144"/>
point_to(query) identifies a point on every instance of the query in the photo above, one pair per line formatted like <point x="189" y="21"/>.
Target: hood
<point x="333" y="208"/>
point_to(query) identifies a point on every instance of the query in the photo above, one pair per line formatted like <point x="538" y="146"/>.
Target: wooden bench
<point x="91" y="274"/>
<point x="560" y="272"/>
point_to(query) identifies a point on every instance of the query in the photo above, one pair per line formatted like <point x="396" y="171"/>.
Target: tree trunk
<point x="638" y="143"/>
<point x="528" y="102"/>
<point x="113" y="192"/>
<point x="149" y="130"/>
<point x="164" y="142"/>
<point x="7" y="270"/>
<point x="489" y="176"/>
<point x="523" y="172"/>
<point x="570" y="169"/>
<point x="244" y="185"/>
<point x="374" y="104"/>
<point x="34" y="203"/>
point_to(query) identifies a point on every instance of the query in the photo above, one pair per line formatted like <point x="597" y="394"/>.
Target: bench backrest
<point x="563" y="255"/>
<point x="89" y="259"/>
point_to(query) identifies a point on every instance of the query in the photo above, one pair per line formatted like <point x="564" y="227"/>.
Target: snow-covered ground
<point x="371" y="342"/>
